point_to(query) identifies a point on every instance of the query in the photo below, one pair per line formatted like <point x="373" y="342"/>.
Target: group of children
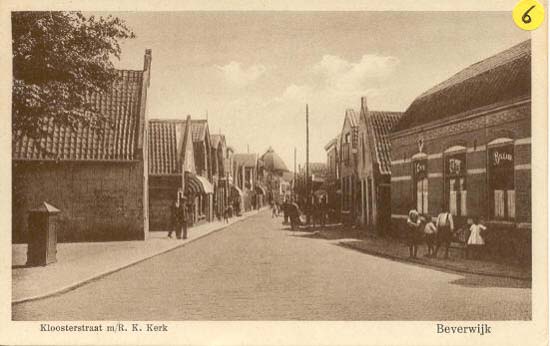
<point x="441" y="232"/>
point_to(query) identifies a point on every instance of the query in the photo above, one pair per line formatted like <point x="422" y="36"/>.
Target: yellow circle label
<point x="528" y="14"/>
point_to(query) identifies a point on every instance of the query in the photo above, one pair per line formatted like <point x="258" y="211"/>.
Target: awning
<point x="237" y="190"/>
<point x="261" y="189"/>
<point x="195" y="184"/>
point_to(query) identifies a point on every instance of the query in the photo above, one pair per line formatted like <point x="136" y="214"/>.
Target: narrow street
<point x="258" y="270"/>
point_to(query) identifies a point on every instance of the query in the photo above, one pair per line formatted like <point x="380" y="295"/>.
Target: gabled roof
<point x="245" y="159"/>
<point x="199" y="129"/>
<point x="331" y="143"/>
<point x="215" y="140"/>
<point x="166" y="147"/>
<point x="120" y="141"/>
<point x="380" y="125"/>
<point x="504" y="76"/>
<point x="351" y="116"/>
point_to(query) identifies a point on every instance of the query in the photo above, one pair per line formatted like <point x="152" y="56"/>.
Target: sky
<point x="254" y="72"/>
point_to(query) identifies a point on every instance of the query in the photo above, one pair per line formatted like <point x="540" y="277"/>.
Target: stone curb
<point x="98" y="276"/>
<point x="430" y="264"/>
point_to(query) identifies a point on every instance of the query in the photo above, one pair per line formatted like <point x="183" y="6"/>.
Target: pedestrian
<point x="178" y="217"/>
<point x="445" y="228"/>
<point x="323" y="211"/>
<point x="430" y="232"/>
<point x="226" y="215"/>
<point x="475" y="240"/>
<point x="277" y="209"/>
<point x="173" y="218"/>
<point x="231" y="212"/>
<point x="285" y="212"/>
<point x="294" y="215"/>
<point x="413" y="225"/>
<point x="273" y="210"/>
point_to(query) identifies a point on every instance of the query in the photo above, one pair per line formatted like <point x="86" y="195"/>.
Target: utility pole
<point x="294" y="180"/>
<point x="307" y="165"/>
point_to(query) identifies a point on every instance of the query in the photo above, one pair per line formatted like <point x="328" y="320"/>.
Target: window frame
<point x="500" y="142"/>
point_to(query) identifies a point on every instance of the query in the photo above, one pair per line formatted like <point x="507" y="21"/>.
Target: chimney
<point x="147" y="64"/>
<point x="364" y="108"/>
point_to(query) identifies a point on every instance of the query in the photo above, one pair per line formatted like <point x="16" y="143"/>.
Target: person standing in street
<point x="173" y="219"/>
<point x="445" y="228"/>
<point x="475" y="240"/>
<point x="413" y="224"/>
<point x="430" y="232"/>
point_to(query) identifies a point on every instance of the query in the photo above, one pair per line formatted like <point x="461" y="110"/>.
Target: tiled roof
<point x="119" y="141"/>
<point x="245" y="160"/>
<point x="273" y="162"/>
<point x="504" y="76"/>
<point x="199" y="129"/>
<point x="165" y="140"/>
<point x="352" y="116"/>
<point x="380" y="125"/>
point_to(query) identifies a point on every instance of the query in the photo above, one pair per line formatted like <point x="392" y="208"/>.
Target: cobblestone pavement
<point x="257" y="270"/>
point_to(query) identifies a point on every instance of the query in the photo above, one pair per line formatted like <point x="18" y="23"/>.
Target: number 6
<point x="526" y="18"/>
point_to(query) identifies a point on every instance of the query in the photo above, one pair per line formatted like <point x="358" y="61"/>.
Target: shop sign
<point x="420" y="167"/>
<point x="502" y="157"/>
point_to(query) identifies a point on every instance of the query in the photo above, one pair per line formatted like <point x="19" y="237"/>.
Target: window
<point x="455" y="183"/>
<point x="420" y="170"/>
<point x="501" y="182"/>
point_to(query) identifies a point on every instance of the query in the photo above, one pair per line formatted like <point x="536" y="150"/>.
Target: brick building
<point x="271" y="176"/>
<point x="202" y="148"/>
<point x="171" y="167"/>
<point x="374" y="166"/>
<point x="465" y="146"/>
<point x="245" y="176"/>
<point x="98" y="181"/>
<point x="332" y="181"/>
<point x="220" y="174"/>
<point x="349" y="182"/>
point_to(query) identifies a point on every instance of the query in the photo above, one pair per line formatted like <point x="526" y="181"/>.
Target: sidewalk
<point x="397" y="250"/>
<point x="79" y="263"/>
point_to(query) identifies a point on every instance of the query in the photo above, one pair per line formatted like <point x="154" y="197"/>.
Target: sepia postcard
<point x="274" y="173"/>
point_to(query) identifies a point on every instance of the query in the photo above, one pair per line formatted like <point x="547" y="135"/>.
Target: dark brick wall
<point x="162" y="194"/>
<point x="98" y="201"/>
<point x="474" y="133"/>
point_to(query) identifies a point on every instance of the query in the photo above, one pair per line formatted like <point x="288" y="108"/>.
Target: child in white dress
<point x="475" y="241"/>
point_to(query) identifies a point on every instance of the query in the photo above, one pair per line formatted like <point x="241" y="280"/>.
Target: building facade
<point x="349" y="182"/>
<point x="465" y="146"/>
<point x="171" y="171"/>
<point x="245" y="176"/>
<point x="374" y="167"/>
<point x="98" y="181"/>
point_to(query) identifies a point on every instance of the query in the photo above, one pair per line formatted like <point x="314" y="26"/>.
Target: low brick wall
<point x="99" y="201"/>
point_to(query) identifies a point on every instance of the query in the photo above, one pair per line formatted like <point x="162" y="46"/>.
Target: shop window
<point x="455" y="183"/>
<point x="501" y="182"/>
<point x="420" y="170"/>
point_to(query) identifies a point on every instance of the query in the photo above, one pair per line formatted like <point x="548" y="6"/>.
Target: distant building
<point x="465" y="146"/>
<point x="245" y="177"/>
<point x="220" y="174"/>
<point x="202" y="147"/>
<point x="271" y="175"/>
<point x="98" y="181"/>
<point x="349" y="183"/>
<point x="374" y="166"/>
<point x="171" y="170"/>
<point x="332" y="181"/>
